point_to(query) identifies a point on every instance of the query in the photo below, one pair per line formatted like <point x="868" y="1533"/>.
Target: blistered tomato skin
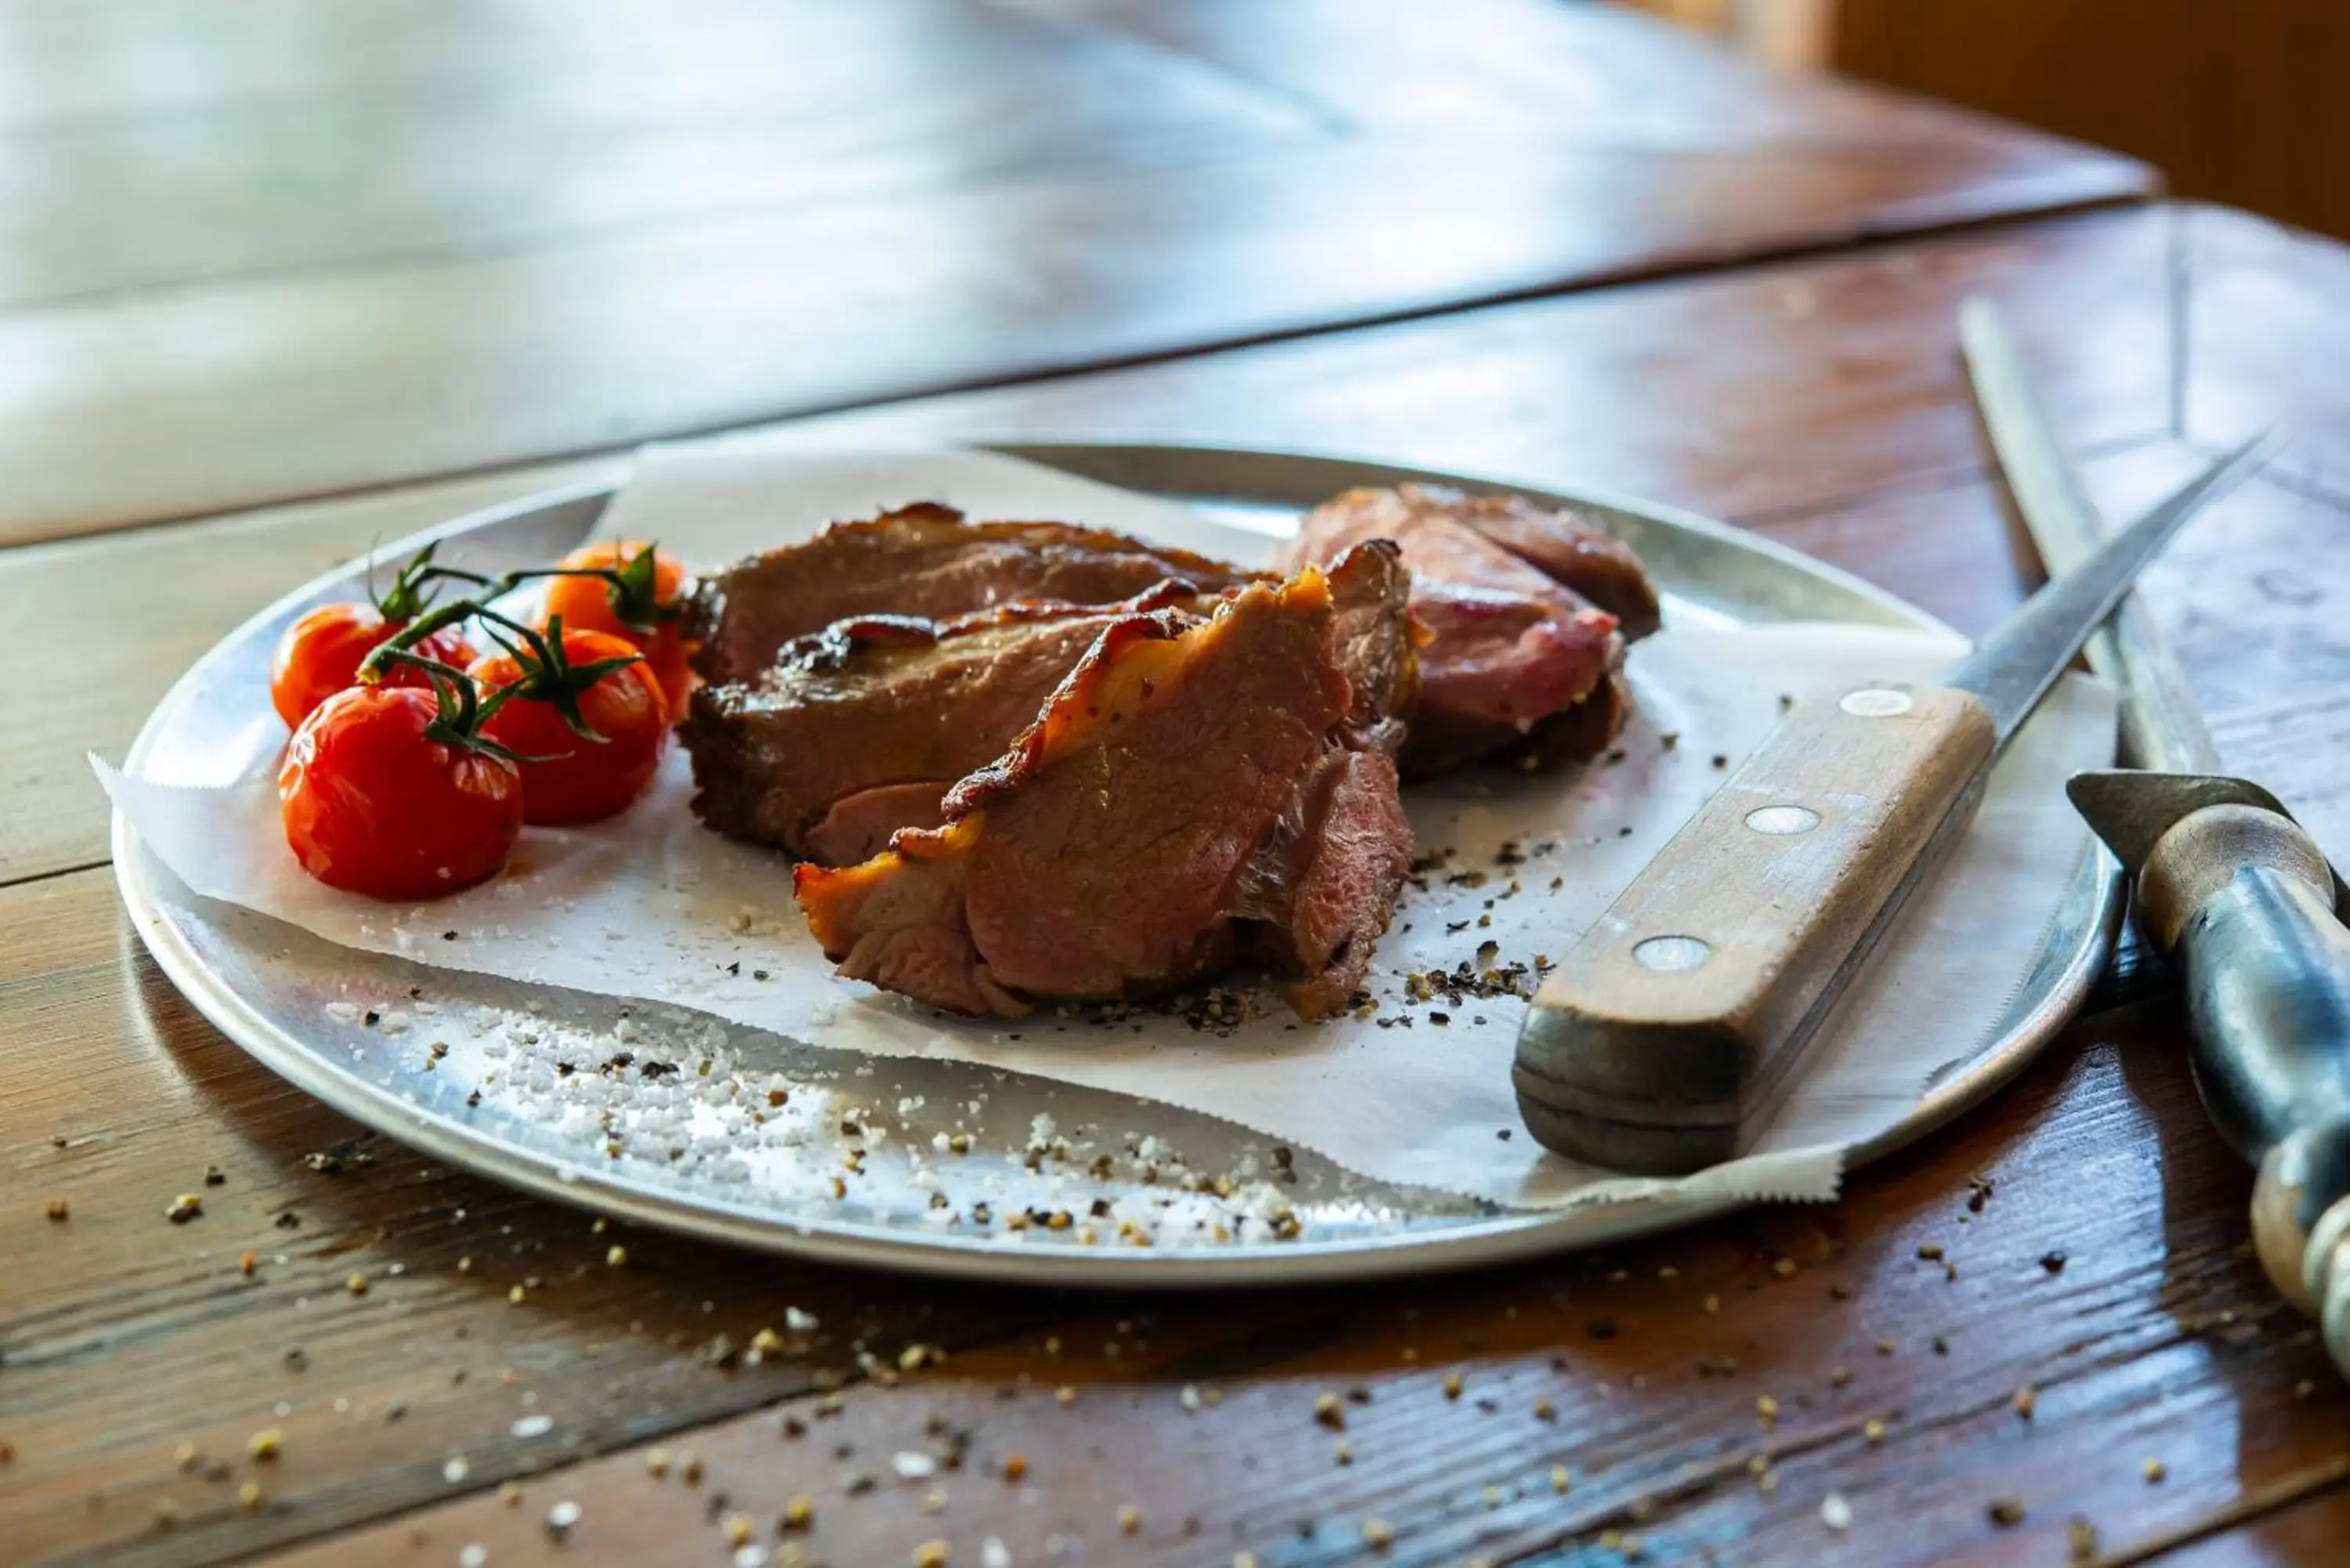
<point x="321" y="652"/>
<point x="588" y="604"/>
<point x="373" y="804"/>
<point x="580" y="780"/>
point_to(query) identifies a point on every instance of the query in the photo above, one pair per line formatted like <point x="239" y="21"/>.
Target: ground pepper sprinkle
<point x="59" y="1211"/>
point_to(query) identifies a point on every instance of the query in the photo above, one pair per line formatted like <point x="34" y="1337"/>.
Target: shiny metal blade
<point x="2014" y="666"/>
<point x="2161" y="727"/>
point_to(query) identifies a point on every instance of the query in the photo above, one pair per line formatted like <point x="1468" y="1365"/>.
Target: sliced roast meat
<point x="1196" y="788"/>
<point x="857" y="731"/>
<point x="1566" y="547"/>
<point x="1518" y="665"/>
<point x="927" y="562"/>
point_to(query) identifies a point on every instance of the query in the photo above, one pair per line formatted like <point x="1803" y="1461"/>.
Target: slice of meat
<point x="927" y="562"/>
<point x="1517" y="665"/>
<point x="1194" y="789"/>
<point x="859" y="730"/>
<point x="1566" y="547"/>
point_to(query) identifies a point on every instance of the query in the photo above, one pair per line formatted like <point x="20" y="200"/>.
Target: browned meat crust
<point x="1195" y="788"/>
<point x="927" y="562"/>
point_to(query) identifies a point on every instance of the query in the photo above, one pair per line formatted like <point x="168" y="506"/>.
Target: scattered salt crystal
<point x="473" y="1556"/>
<point x="993" y="1553"/>
<point x="751" y="1555"/>
<point x="1835" y="1513"/>
<point x="455" y="1469"/>
<point x="913" y="1466"/>
<point x="533" y="1426"/>
<point x="799" y="1322"/>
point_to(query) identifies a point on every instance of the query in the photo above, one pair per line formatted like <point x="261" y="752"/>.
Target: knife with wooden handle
<point x="2231" y="889"/>
<point x="1670" y="1031"/>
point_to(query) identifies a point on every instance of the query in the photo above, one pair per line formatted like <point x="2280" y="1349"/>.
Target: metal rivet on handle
<point x="1670" y="953"/>
<point x="1876" y="703"/>
<point x="1782" y="821"/>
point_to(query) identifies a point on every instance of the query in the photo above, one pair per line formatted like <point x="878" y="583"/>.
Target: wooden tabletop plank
<point x="428" y="134"/>
<point x="273" y="388"/>
<point x="108" y="63"/>
<point x="2265" y="339"/>
<point x="2147" y="1344"/>
<point x="1534" y="65"/>
<point x="502" y="237"/>
<point x="1823" y="380"/>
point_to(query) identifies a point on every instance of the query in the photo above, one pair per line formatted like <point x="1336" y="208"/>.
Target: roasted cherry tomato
<point x="381" y="794"/>
<point x="319" y="655"/>
<point x="643" y="608"/>
<point x="593" y="682"/>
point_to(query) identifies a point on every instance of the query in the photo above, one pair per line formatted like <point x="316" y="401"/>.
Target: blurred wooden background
<point x="2235" y="100"/>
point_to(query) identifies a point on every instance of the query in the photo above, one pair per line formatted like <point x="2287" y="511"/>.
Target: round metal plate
<point x="272" y="988"/>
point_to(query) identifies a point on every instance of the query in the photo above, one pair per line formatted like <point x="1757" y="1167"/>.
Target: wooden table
<point x="576" y="226"/>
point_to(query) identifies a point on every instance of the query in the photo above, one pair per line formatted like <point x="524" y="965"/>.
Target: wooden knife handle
<point x="1680" y="1018"/>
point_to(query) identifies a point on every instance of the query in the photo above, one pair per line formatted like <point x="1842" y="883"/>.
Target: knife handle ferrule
<point x="2242" y="900"/>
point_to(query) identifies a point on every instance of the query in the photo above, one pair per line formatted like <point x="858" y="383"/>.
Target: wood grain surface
<point x="393" y="242"/>
<point x="245" y="260"/>
<point x="127" y="1336"/>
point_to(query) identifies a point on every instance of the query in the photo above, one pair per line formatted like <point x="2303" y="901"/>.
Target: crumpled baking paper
<point x="652" y="906"/>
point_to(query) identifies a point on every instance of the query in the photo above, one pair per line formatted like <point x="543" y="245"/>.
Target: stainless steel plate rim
<point x="2050" y="998"/>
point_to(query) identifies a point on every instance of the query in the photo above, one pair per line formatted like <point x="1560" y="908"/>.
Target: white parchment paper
<point x="650" y="905"/>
